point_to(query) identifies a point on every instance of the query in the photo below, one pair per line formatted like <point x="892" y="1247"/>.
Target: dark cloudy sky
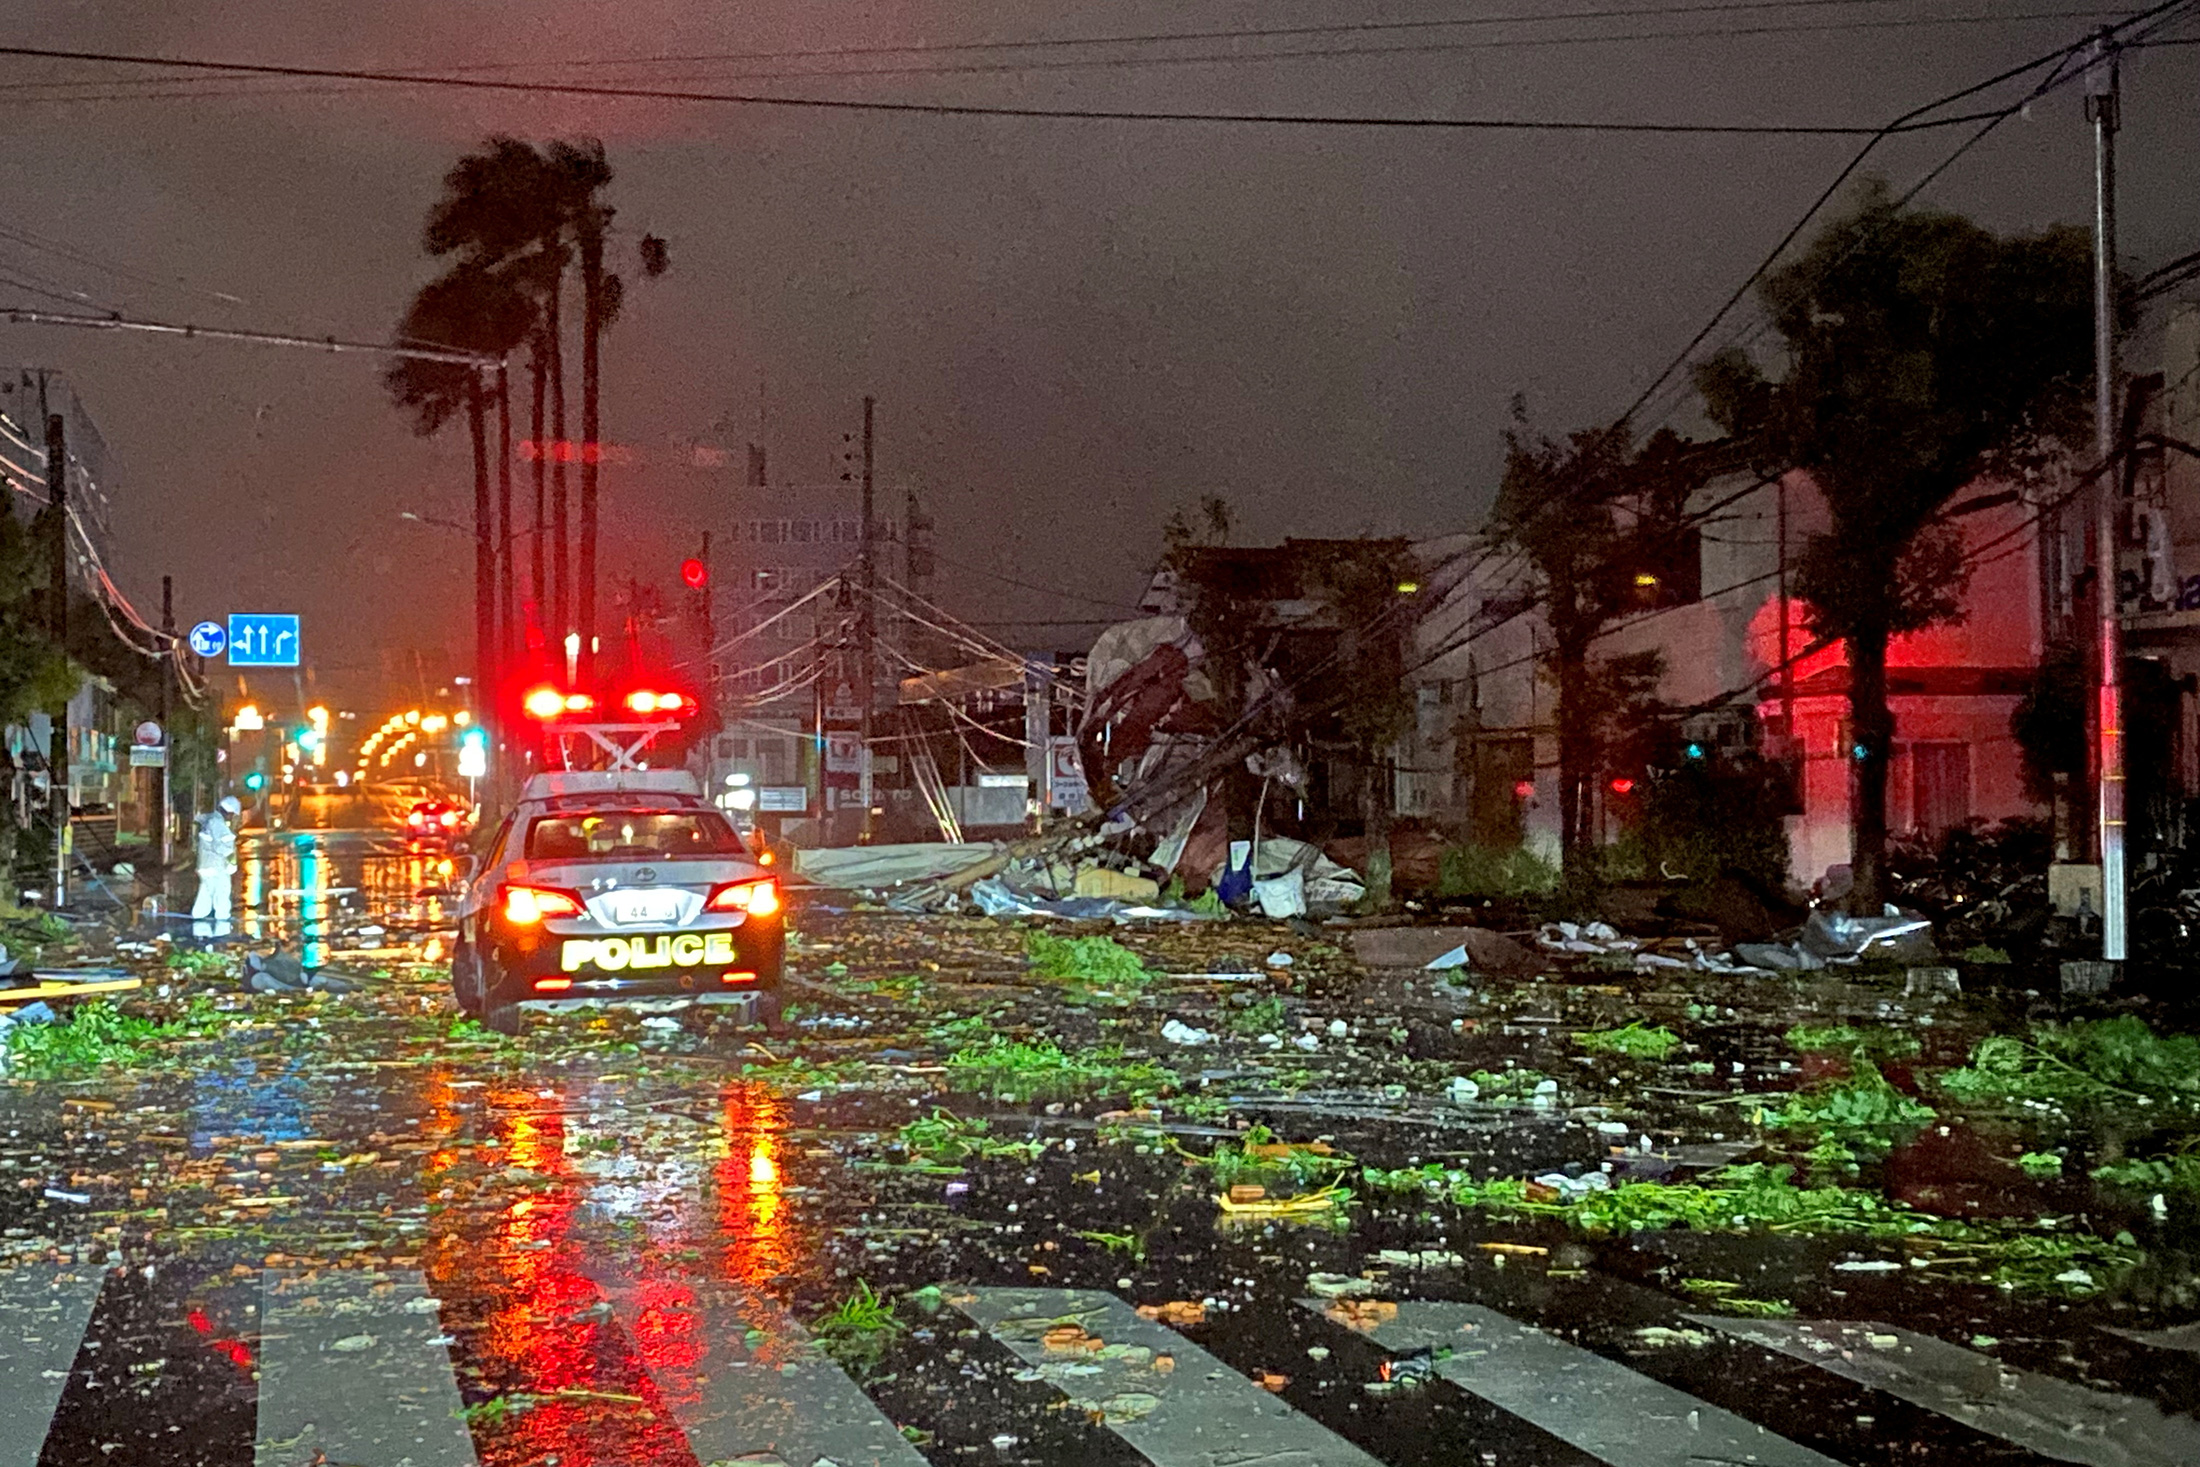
<point x="1071" y="326"/>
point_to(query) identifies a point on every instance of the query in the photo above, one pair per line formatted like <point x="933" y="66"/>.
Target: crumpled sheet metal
<point x="996" y="898"/>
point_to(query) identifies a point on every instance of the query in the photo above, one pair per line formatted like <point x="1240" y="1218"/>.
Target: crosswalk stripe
<point x="46" y="1310"/>
<point x="1614" y="1414"/>
<point x="741" y="1378"/>
<point x="2055" y="1418"/>
<point x="354" y="1369"/>
<point x="1192" y="1411"/>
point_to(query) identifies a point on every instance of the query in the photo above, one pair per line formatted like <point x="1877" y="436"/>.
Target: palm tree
<point x="583" y="173"/>
<point x="476" y="310"/>
<point x="505" y="209"/>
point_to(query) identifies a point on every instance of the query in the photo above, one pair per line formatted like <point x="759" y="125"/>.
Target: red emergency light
<point x="647" y="702"/>
<point x="547" y="702"/>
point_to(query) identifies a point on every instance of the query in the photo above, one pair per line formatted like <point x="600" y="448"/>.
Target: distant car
<point x="437" y="819"/>
<point x="604" y="888"/>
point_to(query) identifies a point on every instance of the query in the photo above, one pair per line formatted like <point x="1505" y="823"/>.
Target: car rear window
<point x="622" y="835"/>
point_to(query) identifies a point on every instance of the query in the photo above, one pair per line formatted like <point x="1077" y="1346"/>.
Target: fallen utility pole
<point x="2102" y="99"/>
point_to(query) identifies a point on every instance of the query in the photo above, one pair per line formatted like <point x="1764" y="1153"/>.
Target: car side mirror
<point x="468" y="864"/>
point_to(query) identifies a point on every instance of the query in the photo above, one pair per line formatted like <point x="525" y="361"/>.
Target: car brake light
<point x="450" y="817"/>
<point x="416" y="818"/>
<point x="527" y="905"/>
<point x="757" y="898"/>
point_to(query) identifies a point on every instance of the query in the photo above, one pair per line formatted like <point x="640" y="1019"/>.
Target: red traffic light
<point x="1623" y="786"/>
<point x="694" y="573"/>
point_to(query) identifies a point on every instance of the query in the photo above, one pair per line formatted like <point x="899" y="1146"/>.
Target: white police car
<point x="605" y="887"/>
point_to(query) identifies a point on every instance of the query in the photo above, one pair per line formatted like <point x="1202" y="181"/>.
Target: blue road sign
<point x="208" y="638"/>
<point x="262" y="641"/>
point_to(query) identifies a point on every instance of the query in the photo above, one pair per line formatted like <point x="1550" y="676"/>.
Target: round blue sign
<point x="208" y="638"/>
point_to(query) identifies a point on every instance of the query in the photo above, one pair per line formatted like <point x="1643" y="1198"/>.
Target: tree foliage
<point x="1922" y="353"/>
<point x="1588" y="514"/>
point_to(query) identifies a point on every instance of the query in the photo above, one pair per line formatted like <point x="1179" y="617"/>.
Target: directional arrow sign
<point x="258" y="640"/>
<point x="208" y="638"/>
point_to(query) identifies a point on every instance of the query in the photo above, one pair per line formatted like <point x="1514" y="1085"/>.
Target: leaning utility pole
<point x="57" y="763"/>
<point x="867" y="627"/>
<point x="2108" y="720"/>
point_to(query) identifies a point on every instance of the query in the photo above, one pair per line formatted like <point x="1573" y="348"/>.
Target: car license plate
<point x="639" y="908"/>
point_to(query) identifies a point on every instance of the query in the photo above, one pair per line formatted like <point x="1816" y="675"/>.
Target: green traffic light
<point x="255" y="781"/>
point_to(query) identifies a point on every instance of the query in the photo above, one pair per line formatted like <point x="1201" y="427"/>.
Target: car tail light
<point x="416" y="818"/>
<point x="552" y="985"/>
<point x="524" y="906"/>
<point x="449" y="818"/>
<point x="756" y="898"/>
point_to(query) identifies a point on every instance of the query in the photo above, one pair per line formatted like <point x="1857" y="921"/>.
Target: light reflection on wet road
<point x="314" y="889"/>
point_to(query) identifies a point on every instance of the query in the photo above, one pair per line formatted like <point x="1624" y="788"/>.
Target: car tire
<point x="466" y="985"/>
<point x="498" y="1016"/>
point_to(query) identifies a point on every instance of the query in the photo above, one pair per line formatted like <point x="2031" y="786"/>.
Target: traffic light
<point x="255" y="781"/>
<point x="1623" y="786"/>
<point x="694" y="574"/>
<point x="473" y="753"/>
<point x="1694" y="751"/>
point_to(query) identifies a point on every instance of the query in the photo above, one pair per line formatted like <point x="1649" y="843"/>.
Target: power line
<point x="951" y="109"/>
<point x="1150" y="38"/>
<point x="105" y="91"/>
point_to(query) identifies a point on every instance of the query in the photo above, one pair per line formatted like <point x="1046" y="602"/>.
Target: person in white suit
<point x="216" y="848"/>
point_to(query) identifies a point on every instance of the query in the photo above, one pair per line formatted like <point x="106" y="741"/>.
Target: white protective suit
<point x="216" y="849"/>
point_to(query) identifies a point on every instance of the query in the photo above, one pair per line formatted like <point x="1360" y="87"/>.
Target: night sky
<point x="1072" y="327"/>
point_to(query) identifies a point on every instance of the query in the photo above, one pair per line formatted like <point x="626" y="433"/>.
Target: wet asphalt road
<point x="412" y="1248"/>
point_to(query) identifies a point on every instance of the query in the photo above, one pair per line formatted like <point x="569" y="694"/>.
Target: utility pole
<point x="57" y="763"/>
<point x="507" y="587"/>
<point x="167" y="736"/>
<point x="867" y="626"/>
<point x="485" y="565"/>
<point x="2101" y="102"/>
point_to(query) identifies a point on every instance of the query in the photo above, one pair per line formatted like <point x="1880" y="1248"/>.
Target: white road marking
<point x="1614" y="1414"/>
<point x="46" y="1310"/>
<point x="2055" y="1418"/>
<point x="1192" y="1411"/>
<point x="353" y="1369"/>
<point x="741" y="1378"/>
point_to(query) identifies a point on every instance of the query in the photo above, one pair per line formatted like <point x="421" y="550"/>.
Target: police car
<point x="606" y="887"/>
